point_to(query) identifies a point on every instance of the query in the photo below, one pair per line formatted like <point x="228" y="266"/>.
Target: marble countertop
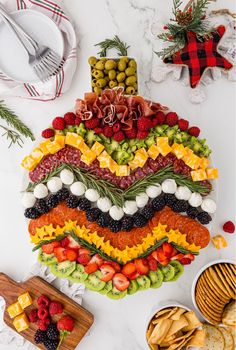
<point x="121" y="325"/>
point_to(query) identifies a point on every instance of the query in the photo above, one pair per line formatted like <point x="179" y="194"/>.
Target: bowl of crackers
<point x="214" y="293"/>
<point x="174" y="327"/>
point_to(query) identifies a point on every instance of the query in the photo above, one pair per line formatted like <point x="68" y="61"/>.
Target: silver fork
<point x="45" y="62"/>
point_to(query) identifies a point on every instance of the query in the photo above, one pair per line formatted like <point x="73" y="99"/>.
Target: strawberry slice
<point x="190" y="256"/>
<point x="121" y="282"/>
<point x="174" y="252"/>
<point x="72" y="243"/>
<point x="133" y="276"/>
<point x="49" y="248"/>
<point x="71" y="254"/>
<point x="83" y="251"/>
<point x="97" y="259"/>
<point x="115" y="265"/>
<point x="153" y="264"/>
<point x="84" y="259"/>
<point x="142" y="266"/>
<point x="90" y="268"/>
<point x="64" y="242"/>
<point x="160" y="255"/>
<point x="177" y="257"/>
<point x="60" y="254"/>
<point x="165" y="262"/>
<point x="185" y="261"/>
<point x="129" y="269"/>
<point x="107" y="272"/>
<point x="167" y="249"/>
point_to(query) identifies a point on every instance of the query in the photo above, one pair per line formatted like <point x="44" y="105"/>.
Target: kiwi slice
<point x="63" y="269"/>
<point x="116" y="294"/>
<point x="156" y="278"/>
<point x="106" y="289"/>
<point x="168" y="272"/>
<point x="78" y="275"/>
<point x="133" y="287"/>
<point x="143" y="282"/>
<point x="93" y="281"/>
<point x="179" y="269"/>
<point x="46" y="259"/>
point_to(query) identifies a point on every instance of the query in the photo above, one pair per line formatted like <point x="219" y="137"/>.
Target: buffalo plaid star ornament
<point x="199" y="56"/>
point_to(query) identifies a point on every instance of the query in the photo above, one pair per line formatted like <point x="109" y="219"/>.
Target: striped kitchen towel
<point x="60" y="83"/>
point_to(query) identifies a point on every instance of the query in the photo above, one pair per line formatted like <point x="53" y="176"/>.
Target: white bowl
<point x="196" y="280"/>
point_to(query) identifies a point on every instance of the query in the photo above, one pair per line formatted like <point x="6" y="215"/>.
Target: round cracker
<point x="207" y="312"/>
<point x="228" y="338"/>
<point x="225" y="280"/>
<point x="214" y="338"/>
<point x="228" y="276"/>
<point x="223" y="286"/>
<point x="209" y="301"/>
<point x="211" y="292"/>
<point x="215" y="286"/>
<point x="232" y="273"/>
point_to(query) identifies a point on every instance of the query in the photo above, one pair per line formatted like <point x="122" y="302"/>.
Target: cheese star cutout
<point x="199" y="56"/>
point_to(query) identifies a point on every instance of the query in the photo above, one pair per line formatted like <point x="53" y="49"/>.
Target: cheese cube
<point x="21" y="323"/>
<point x="192" y="161"/>
<point x="178" y="150"/>
<point x="153" y="152"/>
<point x="37" y="154"/>
<point x="60" y="139"/>
<point x="54" y="147"/>
<point x="141" y="157"/>
<point x="73" y="139"/>
<point x="28" y="163"/>
<point x="88" y="157"/>
<point x="199" y="175"/>
<point x="212" y="173"/>
<point x="163" y="145"/>
<point x="14" y="310"/>
<point x="112" y="165"/>
<point x="97" y="148"/>
<point x="104" y="159"/>
<point x="25" y="300"/>
<point x="203" y="163"/>
<point x="188" y="152"/>
<point x="219" y="242"/>
<point x="43" y="146"/>
<point x="122" y="170"/>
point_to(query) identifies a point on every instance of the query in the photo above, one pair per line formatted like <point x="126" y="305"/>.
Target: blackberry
<point x="40" y="336"/>
<point x="180" y="206"/>
<point x="192" y="212"/>
<point x="84" y="204"/>
<point x="170" y="199"/>
<point x="103" y="220"/>
<point x="148" y="212"/>
<point x="63" y="194"/>
<point x="52" y="332"/>
<point x="92" y="214"/>
<point x="41" y="206"/>
<point x="32" y="213"/>
<point x="72" y="201"/>
<point x="51" y="344"/>
<point x="52" y="201"/>
<point x="127" y="223"/>
<point x="139" y="220"/>
<point x="114" y="225"/>
<point x="204" y="218"/>
<point x="158" y="203"/>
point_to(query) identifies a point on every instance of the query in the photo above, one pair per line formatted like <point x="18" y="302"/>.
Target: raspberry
<point x="107" y="131"/>
<point x="183" y="124"/>
<point x="43" y="324"/>
<point x="194" y="131"/>
<point x="55" y="308"/>
<point x="171" y="119"/>
<point x="229" y="227"/>
<point x="33" y="316"/>
<point x="92" y="123"/>
<point x="116" y="127"/>
<point x="70" y="118"/>
<point x="59" y="123"/>
<point x="131" y="134"/>
<point x="155" y="122"/>
<point x="160" y="117"/>
<point x="119" y="136"/>
<point x="43" y="301"/>
<point x="43" y="313"/>
<point x="78" y="121"/>
<point x="142" y="134"/>
<point x="98" y="130"/>
<point x="48" y="133"/>
<point x="144" y="124"/>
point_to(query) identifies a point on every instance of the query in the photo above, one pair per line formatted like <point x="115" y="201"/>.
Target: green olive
<point x="130" y="90"/>
<point x="133" y="64"/>
<point x="100" y="65"/>
<point x="121" y="65"/>
<point x="135" y="86"/>
<point x="101" y="83"/>
<point x="112" y="74"/>
<point x="94" y="82"/>
<point x="98" y="74"/>
<point x="105" y="72"/>
<point x="92" y="61"/>
<point x="110" y="64"/>
<point x="122" y="84"/>
<point x="121" y="77"/>
<point x="124" y="59"/>
<point x="130" y="71"/>
<point x="97" y="90"/>
<point x="131" y="80"/>
<point x="112" y="84"/>
<point x="93" y="72"/>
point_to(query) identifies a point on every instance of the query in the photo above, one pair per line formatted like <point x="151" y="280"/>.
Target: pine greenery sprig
<point x="190" y="19"/>
<point x="114" y="43"/>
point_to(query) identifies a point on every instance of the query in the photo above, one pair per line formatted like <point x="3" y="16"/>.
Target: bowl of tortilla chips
<point x="174" y="327"/>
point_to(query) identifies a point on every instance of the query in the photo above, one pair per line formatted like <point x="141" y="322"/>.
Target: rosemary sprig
<point x="154" y="247"/>
<point x="114" y="43"/>
<point x="13" y="136"/>
<point x="183" y="250"/>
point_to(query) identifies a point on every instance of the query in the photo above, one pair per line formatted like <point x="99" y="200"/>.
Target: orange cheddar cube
<point x="112" y="165"/>
<point x="192" y="161"/>
<point x="104" y="159"/>
<point x="199" y="175"/>
<point x="97" y="148"/>
<point x="153" y="152"/>
<point x="73" y="139"/>
<point x="43" y="146"/>
<point x="54" y="147"/>
<point x="140" y="157"/>
<point x="163" y="145"/>
<point x="14" y="310"/>
<point x="212" y="174"/>
<point x="122" y="170"/>
<point x="178" y="150"/>
<point x="25" y="300"/>
<point x="60" y="139"/>
<point x="37" y="154"/>
<point x="203" y="163"/>
<point x="219" y="242"/>
<point x="28" y="163"/>
<point x="21" y="323"/>
<point x="88" y="157"/>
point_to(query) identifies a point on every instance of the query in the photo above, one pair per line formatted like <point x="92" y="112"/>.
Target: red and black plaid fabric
<point x="200" y="55"/>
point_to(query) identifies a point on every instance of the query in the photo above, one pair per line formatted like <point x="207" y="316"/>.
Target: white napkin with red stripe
<point x="60" y="83"/>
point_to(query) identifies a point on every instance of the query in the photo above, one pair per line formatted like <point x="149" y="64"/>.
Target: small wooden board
<point x="10" y="290"/>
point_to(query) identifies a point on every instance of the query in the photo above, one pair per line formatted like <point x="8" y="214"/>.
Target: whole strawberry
<point x="65" y="326"/>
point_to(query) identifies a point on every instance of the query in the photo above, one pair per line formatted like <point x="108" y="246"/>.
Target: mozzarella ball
<point x="154" y="191"/>
<point x="77" y="188"/>
<point x="130" y="207"/>
<point x="169" y="186"/>
<point x="209" y="205"/>
<point x="28" y="200"/>
<point x="92" y="195"/>
<point x="54" y="184"/>
<point x="67" y="177"/>
<point x="183" y="193"/>
<point x="40" y="191"/>
<point x="104" y="204"/>
<point x="195" y="200"/>
<point x="142" y="200"/>
<point x="116" y="213"/>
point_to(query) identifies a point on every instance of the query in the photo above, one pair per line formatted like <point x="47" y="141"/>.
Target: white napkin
<point x="60" y="83"/>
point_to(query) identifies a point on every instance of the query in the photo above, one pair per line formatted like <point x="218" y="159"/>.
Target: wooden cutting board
<point x="10" y="290"/>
